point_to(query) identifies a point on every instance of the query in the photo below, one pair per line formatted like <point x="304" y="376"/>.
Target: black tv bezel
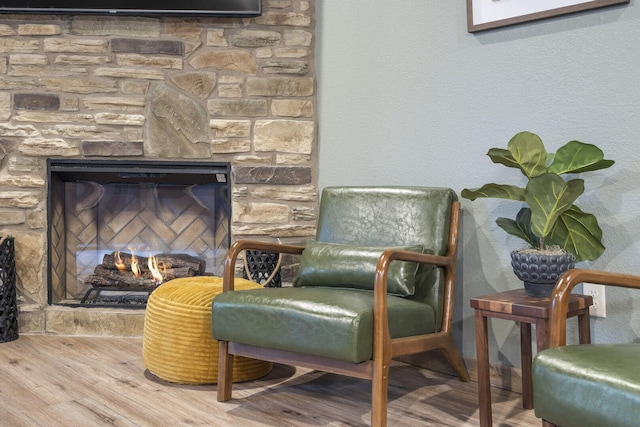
<point x="99" y="10"/>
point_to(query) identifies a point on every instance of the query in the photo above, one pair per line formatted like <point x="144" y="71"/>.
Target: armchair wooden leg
<point x="451" y="353"/>
<point x="379" y="387"/>
<point x="547" y="424"/>
<point x="225" y="372"/>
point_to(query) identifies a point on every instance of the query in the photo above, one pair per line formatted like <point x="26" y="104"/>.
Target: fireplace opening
<point x="118" y="229"/>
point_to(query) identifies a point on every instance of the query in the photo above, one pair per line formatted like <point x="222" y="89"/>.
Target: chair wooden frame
<point x="560" y="300"/>
<point x="384" y="348"/>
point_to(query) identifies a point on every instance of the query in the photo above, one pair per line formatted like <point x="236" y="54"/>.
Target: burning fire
<point x="134" y="264"/>
<point x="155" y="271"/>
<point x="119" y="264"/>
<point x="152" y="265"/>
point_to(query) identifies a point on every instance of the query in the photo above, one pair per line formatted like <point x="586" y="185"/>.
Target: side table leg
<point x="542" y="333"/>
<point x="584" y="327"/>
<point x="525" y="360"/>
<point x="484" y="382"/>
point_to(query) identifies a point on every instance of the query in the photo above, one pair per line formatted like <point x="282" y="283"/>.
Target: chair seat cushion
<point x="330" y="322"/>
<point x="588" y="385"/>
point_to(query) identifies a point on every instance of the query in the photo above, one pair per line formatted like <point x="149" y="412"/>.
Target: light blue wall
<point x="407" y="96"/>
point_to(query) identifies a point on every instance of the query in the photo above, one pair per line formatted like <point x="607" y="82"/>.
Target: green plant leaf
<point x="521" y="227"/>
<point x="576" y="156"/>
<point x="578" y="232"/>
<point x="528" y="151"/>
<point x="504" y="157"/>
<point x="549" y="196"/>
<point x="499" y="191"/>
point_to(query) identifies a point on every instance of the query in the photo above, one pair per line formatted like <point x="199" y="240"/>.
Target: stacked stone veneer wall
<point x="240" y="90"/>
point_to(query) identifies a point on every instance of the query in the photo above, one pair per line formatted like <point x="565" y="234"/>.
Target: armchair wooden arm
<point x="562" y="290"/>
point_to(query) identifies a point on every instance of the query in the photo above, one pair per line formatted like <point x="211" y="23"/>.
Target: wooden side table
<point x="516" y="305"/>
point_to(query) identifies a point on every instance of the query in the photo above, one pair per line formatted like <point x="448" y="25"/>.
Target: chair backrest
<point x="392" y="216"/>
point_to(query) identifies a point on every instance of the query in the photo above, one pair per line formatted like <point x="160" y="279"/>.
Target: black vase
<point x="540" y="272"/>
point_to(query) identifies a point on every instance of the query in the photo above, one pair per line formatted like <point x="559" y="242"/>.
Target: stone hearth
<point x="237" y="90"/>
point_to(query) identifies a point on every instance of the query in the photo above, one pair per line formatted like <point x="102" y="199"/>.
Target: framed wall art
<point x="487" y="14"/>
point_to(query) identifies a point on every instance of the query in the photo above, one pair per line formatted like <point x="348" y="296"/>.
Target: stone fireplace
<point x="236" y="91"/>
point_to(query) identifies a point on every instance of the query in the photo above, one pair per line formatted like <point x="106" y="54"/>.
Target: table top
<point x="517" y="302"/>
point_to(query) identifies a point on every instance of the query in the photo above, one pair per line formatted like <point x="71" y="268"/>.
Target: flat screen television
<point x="222" y="8"/>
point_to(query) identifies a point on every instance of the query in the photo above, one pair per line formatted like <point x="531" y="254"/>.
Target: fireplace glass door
<point x="118" y="229"/>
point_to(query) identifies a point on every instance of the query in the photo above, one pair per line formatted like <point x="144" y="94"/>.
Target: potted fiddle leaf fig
<point x="558" y="232"/>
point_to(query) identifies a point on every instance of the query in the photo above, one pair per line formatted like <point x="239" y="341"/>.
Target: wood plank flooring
<point x="95" y="381"/>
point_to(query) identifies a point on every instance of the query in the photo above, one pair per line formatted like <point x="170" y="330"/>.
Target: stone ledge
<point x="96" y="321"/>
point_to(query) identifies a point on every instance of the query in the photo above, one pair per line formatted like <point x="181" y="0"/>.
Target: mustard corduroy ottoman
<point x="177" y="345"/>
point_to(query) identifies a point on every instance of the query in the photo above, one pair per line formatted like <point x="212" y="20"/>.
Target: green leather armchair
<point x="376" y="283"/>
<point x="588" y="385"/>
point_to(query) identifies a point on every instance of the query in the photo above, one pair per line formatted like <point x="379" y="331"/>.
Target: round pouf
<point x="177" y="345"/>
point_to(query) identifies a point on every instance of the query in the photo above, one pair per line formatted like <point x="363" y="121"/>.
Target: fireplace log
<point x="169" y="261"/>
<point x="180" y="272"/>
<point x="107" y="274"/>
<point x="106" y="277"/>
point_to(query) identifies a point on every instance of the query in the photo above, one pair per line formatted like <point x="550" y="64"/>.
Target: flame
<point x="134" y="264"/>
<point x="155" y="271"/>
<point x="119" y="264"/>
<point x="136" y="268"/>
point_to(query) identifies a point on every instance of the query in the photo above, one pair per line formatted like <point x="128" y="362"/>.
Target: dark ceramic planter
<point x="540" y="272"/>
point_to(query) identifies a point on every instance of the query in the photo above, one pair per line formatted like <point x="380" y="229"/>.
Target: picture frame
<point x="488" y="14"/>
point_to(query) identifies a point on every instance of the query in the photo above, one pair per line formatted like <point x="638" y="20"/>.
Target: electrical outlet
<point x="599" y="307"/>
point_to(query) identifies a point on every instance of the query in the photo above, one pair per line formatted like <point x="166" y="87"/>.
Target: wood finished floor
<point x="81" y="381"/>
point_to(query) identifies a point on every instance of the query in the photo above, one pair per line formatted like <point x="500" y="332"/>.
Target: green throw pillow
<point x="346" y="266"/>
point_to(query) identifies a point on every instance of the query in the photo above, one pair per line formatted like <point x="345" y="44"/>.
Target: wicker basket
<point x="263" y="267"/>
<point x="8" y="305"/>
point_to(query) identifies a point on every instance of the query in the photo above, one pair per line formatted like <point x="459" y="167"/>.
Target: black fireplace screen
<point x="117" y="229"/>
